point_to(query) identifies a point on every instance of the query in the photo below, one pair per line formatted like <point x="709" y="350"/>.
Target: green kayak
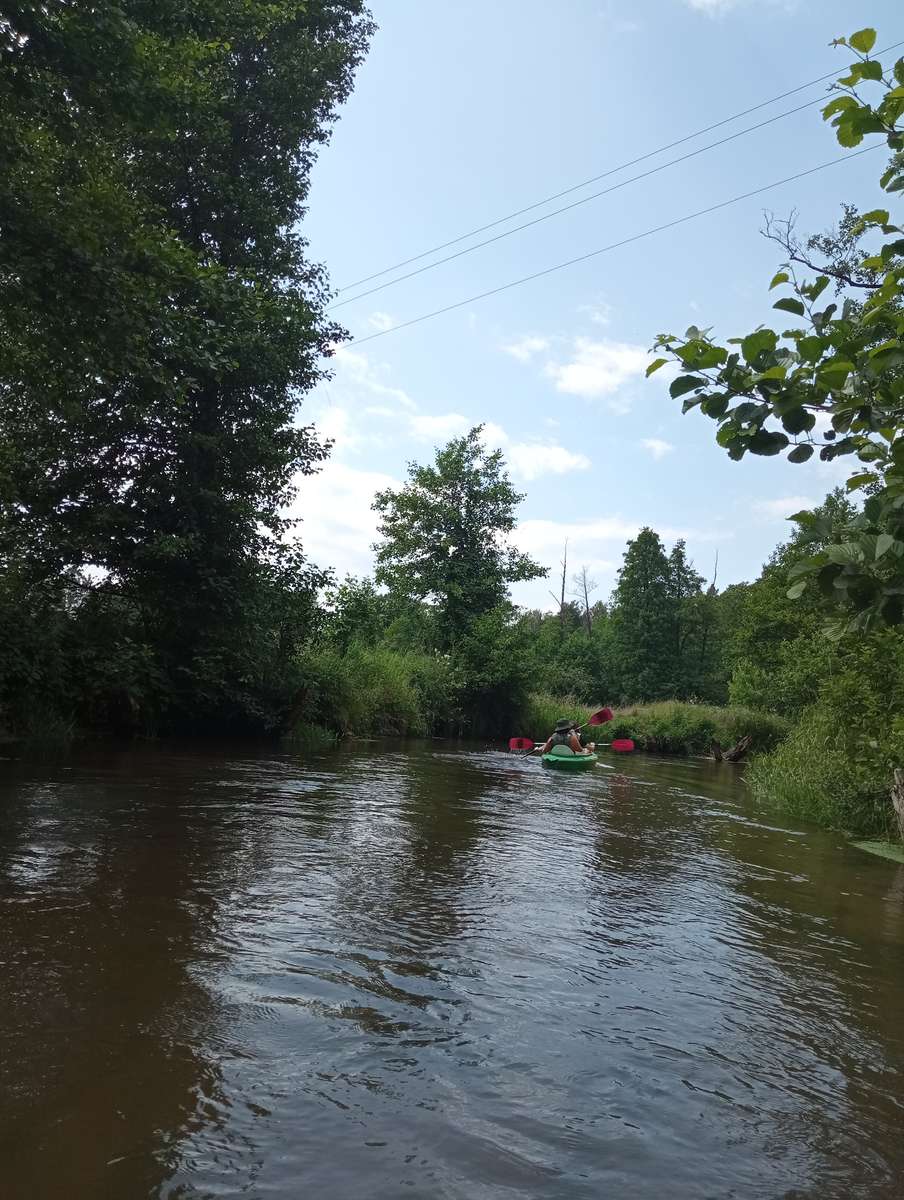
<point x="569" y="762"/>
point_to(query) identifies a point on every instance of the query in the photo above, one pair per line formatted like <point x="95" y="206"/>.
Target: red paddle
<point x="622" y="745"/>
<point x="521" y="744"/>
<point x="599" y="718"/>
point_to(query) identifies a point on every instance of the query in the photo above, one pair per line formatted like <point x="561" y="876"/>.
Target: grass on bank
<point x="665" y="727"/>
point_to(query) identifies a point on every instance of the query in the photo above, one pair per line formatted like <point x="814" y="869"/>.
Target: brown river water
<point x="437" y="970"/>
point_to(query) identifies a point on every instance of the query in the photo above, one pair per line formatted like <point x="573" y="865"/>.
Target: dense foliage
<point x="158" y="322"/>
<point x="834" y="379"/>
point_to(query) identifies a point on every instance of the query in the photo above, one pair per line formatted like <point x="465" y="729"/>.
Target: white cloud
<point x="337" y="425"/>
<point x="339" y="526"/>
<point x="783" y="507"/>
<point x="354" y="369"/>
<point x="438" y="426"/>
<point x="657" y="447"/>
<point x="598" y="368"/>
<point x="531" y="460"/>
<point x="381" y="321"/>
<point x="711" y="6"/>
<point x="525" y="348"/>
<point x="717" y="8"/>
<point x="599" y="313"/>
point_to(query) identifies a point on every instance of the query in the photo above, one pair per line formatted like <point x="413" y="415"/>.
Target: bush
<point x="836" y="767"/>
<point x="678" y="727"/>
<point x="375" y="691"/>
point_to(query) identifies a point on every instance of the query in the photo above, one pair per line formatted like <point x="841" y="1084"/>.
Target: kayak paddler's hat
<point x="564" y="725"/>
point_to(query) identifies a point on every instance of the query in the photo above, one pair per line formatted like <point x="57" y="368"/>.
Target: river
<point x="437" y="971"/>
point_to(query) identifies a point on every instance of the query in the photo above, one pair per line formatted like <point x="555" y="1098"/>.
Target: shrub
<point x="679" y="727"/>
<point x="836" y="767"/>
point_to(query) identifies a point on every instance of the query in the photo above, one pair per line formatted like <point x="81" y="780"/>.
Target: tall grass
<point x="817" y="777"/>
<point x="679" y="727"/>
<point x="373" y="691"/>
<point x="666" y="727"/>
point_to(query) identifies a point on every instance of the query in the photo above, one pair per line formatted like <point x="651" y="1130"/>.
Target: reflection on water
<point x="438" y="972"/>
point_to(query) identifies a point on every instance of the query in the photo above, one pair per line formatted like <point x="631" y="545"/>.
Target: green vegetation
<point x="158" y="320"/>
<point x="833" y="380"/>
<point x="159" y="324"/>
<point x="673" y="727"/>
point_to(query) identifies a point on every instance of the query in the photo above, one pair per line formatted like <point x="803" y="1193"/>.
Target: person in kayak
<point x="565" y="734"/>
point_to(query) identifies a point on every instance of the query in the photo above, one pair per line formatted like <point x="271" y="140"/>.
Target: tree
<point x="642" y="617"/>
<point x="685" y="592"/>
<point x="834" y="380"/>
<point x="583" y="588"/>
<point x="444" y="535"/>
<point x="159" y="319"/>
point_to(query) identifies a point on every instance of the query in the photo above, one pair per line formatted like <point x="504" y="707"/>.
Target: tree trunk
<point x="897" y="799"/>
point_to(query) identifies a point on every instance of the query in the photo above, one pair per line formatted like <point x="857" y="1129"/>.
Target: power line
<point x="605" y="174"/>
<point x="702" y="212"/>
<point x="498" y="237"/>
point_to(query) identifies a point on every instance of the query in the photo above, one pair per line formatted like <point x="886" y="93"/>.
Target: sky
<point x="464" y="113"/>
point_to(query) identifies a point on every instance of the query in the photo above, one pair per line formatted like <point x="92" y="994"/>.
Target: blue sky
<point x="464" y="113"/>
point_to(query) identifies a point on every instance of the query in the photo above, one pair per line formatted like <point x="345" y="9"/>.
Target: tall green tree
<point x="643" y="624"/>
<point x="159" y="318"/>
<point x="688" y="616"/>
<point x="444" y="536"/>
<point x="832" y="381"/>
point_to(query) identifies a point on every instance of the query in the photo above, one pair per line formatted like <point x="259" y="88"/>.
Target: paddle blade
<point x="601" y="717"/>
<point x="521" y="744"/>
<point x="622" y="745"/>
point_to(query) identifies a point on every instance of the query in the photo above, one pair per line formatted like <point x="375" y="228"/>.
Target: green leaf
<point x="781" y="277"/>
<point x="767" y="443"/>
<point x="884" y="543"/>
<point x="755" y="343"/>
<point x="878" y="216"/>
<point x="796" y="590"/>
<point x="803" y="518"/>
<point x="800" y="454"/>
<point x="726" y="434"/>
<point x="871" y="69"/>
<point x="798" y="420"/>
<point x="777" y="372"/>
<point x="839" y="104"/>
<point x="655" y="365"/>
<point x="815" y="290"/>
<point x="899" y="71"/>
<point x="715" y="405"/>
<point x="863" y="40"/>
<point x="858" y="481"/>
<point x="847" y="135"/>
<point x="685" y="383"/>
<point x="834" y="373"/>
<point x="810" y="348"/>
<point x="789" y="304"/>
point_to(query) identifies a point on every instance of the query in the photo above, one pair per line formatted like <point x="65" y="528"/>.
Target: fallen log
<point x="739" y="749"/>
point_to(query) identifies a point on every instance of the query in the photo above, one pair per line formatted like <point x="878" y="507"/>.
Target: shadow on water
<point x="108" y="893"/>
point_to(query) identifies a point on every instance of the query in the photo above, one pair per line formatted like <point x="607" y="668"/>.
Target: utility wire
<point x="498" y="237"/>
<point x="702" y="212"/>
<point x="596" y="178"/>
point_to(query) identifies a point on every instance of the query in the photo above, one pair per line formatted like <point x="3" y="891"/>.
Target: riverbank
<point x="667" y="726"/>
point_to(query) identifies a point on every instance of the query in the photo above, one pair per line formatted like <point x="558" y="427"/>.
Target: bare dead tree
<point x="582" y="588"/>
<point x="560" y="600"/>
